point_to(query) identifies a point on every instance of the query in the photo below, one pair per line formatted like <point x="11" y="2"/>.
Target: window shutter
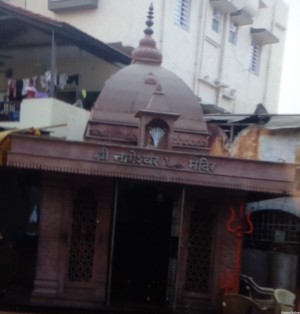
<point x="182" y="13"/>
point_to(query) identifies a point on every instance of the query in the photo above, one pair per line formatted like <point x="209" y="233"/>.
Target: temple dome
<point x="131" y="89"/>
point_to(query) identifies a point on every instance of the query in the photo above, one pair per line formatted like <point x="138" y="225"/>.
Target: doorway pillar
<point x="46" y="282"/>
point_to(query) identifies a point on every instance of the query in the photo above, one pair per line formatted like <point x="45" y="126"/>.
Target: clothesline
<point x="17" y="89"/>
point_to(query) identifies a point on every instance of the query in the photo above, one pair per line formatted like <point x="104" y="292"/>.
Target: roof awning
<point x="4" y="144"/>
<point x="20" y="28"/>
<point x="5" y="139"/>
<point x="63" y="5"/>
<point x="224" y="6"/>
<point x="262" y="36"/>
<point x="263" y="4"/>
<point x="284" y="122"/>
<point x="241" y="17"/>
<point x="287" y="204"/>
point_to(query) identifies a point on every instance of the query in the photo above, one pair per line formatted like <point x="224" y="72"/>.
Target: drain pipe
<point x="222" y="58"/>
<point x="199" y="45"/>
<point x="270" y="53"/>
<point x="53" y="64"/>
<point x="162" y="23"/>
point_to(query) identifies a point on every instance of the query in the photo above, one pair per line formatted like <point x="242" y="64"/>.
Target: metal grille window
<point x="83" y="236"/>
<point x="274" y="229"/>
<point x="200" y="245"/>
<point x="216" y="20"/>
<point x="255" y="58"/>
<point x="233" y="31"/>
<point x="182" y="13"/>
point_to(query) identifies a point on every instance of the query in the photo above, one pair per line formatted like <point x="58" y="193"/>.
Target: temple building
<point x="138" y="214"/>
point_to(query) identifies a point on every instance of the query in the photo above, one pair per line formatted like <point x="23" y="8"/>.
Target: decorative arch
<point x="157" y="134"/>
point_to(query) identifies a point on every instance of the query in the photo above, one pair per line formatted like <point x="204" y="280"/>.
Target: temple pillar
<point x="46" y="282"/>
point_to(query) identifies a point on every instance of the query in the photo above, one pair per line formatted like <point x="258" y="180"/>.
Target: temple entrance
<point x="142" y="242"/>
<point x="19" y="219"/>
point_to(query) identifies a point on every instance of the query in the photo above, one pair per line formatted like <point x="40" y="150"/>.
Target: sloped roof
<point x="15" y="21"/>
<point x="287" y="204"/>
<point x="284" y="122"/>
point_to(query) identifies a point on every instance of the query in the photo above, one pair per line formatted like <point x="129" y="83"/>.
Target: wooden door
<point x="85" y="251"/>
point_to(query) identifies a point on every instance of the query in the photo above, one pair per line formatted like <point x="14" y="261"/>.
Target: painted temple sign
<point x="145" y="159"/>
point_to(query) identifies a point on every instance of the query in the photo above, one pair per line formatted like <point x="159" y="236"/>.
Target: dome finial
<point x="147" y="51"/>
<point x="149" y="22"/>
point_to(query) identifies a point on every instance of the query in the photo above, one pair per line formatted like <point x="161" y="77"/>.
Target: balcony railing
<point x="10" y="110"/>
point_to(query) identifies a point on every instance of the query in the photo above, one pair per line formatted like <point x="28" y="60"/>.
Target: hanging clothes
<point x="73" y="79"/>
<point x="62" y="80"/>
<point x="28" y="82"/>
<point x="14" y="90"/>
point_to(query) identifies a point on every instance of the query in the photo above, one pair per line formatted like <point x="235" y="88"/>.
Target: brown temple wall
<point x="51" y="283"/>
<point x="225" y="242"/>
<point x="52" y="209"/>
<point x="223" y="248"/>
<point x="103" y="239"/>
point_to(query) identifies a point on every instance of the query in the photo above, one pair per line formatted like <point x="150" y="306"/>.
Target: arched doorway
<point x="142" y="245"/>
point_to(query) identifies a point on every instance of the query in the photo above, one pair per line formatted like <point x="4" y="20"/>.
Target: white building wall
<point x="278" y="27"/>
<point x="179" y="45"/>
<point x="279" y="146"/>
<point x="197" y="54"/>
<point x="61" y="119"/>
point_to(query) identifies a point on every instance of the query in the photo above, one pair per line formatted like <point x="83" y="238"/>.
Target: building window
<point x="182" y="13"/>
<point x="233" y="30"/>
<point x="216" y="20"/>
<point x="255" y="58"/>
<point x="274" y="230"/>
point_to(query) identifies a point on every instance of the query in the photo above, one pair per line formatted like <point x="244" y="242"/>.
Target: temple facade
<point x="138" y="215"/>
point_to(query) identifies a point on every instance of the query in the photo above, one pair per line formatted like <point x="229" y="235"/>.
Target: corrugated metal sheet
<point x="283" y="122"/>
<point x="287" y="204"/>
<point x="275" y="122"/>
<point x="65" y="31"/>
<point x="229" y="118"/>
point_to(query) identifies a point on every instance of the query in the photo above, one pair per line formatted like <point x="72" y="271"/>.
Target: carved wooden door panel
<point x="82" y="237"/>
<point x="85" y="249"/>
<point x="199" y="254"/>
<point x="197" y="248"/>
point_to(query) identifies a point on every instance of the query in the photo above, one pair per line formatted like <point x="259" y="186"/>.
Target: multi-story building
<point x="229" y="52"/>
